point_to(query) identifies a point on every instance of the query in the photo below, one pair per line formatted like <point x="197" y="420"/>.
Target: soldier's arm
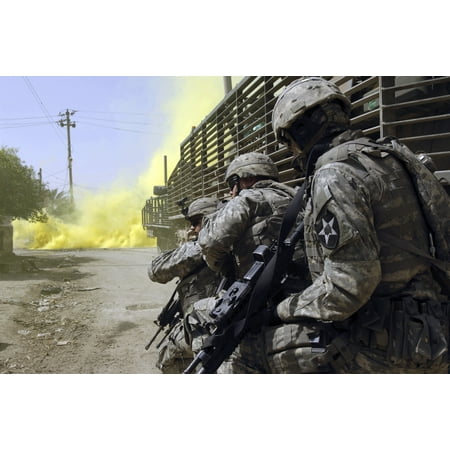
<point x="220" y="232"/>
<point x="343" y="223"/>
<point x="178" y="262"/>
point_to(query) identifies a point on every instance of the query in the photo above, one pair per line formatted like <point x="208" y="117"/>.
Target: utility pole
<point x="165" y="170"/>
<point x="68" y="123"/>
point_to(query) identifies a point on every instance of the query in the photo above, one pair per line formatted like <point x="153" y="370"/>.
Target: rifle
<point x="242" y="307"/>
<point x="168" y="317"/>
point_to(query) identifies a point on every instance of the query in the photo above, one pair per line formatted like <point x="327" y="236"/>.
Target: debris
<point x="88" y="289"/>
<point x="23" y="332"/>
<point x="67" y="262"/>
<point x="62" y="342"/>
<point x="43" y="335"/>
<point x="49" y="290"/>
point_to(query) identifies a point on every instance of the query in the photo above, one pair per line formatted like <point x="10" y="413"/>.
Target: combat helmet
<point x="252" y="165"/>
<point x="302" y="95"/>
<point x="201" y="207"/>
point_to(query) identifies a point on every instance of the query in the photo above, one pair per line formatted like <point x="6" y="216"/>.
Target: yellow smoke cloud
<point x="108" y="220"/>
<point x="112" y="219"/>
<point x="194" y="98"/>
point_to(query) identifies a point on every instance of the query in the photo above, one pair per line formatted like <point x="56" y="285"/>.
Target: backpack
<point x="435" y="204"/>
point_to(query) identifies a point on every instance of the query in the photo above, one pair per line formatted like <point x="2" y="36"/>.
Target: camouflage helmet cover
<point x="302" y="95"/>
<point x="201" y="206"/>
<point x="251" y="165"/>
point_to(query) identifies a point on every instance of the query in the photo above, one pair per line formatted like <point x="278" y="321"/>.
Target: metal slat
<point x="425" y="137"/>
<point x="419" y="120"/>
<point x="362" y="85"/>
<point x="364" y="116"/>
<point x="219" y="137"/>
<point x="417" y="84"/>
<point x="423" y="101"/>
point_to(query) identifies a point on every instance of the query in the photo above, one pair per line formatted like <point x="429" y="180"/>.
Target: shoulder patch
<point x="327" y="230"/>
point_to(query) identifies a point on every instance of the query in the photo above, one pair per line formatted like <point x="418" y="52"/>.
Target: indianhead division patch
<point x="327" y="230"/>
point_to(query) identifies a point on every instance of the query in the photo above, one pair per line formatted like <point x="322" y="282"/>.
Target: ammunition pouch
<point x="402" y="334"/>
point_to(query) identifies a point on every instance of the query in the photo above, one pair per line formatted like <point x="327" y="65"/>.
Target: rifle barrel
<point x="153" y="338"/>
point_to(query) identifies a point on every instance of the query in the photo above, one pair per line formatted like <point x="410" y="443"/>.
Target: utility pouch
<point x="417" y="333"/>
<point x="300" y="347"/>
<point x="404" y="334"/>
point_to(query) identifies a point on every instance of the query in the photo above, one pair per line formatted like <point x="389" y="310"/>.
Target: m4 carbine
<point x="169" y="316"/>
<point x="242" y="307"/>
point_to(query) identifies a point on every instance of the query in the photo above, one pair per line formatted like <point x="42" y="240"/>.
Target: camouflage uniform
<point x="248" y="220"/>
<point x="251" y="218"/>
<point x="197" y="281"/>
<point x="375" y="307"/>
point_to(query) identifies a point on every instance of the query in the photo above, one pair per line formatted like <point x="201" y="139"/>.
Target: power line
<point x="23" y="118"/>
<point x="117" y="121"/>
<point x="117" y="128"/>
<point x="21" y="125"/>
<point x="115" y="112"/>
<point x="54" y="174"/>
<point x="42" y="106"/>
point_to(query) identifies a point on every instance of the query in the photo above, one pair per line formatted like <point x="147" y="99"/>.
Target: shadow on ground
<point x="43" y="267"/>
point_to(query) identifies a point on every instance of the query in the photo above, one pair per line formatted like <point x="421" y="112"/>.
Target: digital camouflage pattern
<point x="359" y="192"/>
<point x="202" y="206"/>
<point x="197" y="322"/>
<point x="303" y="95"/>
<point x="197" y="281"/>
<point x="175" y="354"/>
<point x="252" y="164"/>
<point x="251" y="218"/>
<point x="178" y="262"/>
<point x="185" y="262"/>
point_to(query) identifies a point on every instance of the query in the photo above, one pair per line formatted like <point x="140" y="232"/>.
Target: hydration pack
<point x="435" y="205"/>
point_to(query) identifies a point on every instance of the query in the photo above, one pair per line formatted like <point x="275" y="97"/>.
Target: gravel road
<point x="79" y="311"/>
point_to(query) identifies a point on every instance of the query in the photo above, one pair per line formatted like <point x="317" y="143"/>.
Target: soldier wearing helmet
<point x="375" y="299"/>
<point x="196" y="282"/>
<point x="229" y="237"/>
<point x="250" y="218"/>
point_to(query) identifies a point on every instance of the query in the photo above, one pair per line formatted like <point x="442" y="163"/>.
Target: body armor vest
<point x="395" y="207"/>
<point x="266" y="224"/>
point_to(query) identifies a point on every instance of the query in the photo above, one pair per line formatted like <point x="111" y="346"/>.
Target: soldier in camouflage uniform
<point x="229" y="237"/>
<point x="374" y="303"/>
<point x="196" y="282"/>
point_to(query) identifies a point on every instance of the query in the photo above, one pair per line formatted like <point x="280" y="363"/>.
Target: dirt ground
<point x="79" y="311"/>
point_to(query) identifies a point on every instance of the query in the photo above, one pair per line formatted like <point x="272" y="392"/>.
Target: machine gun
<point x="242" y="306"/>
<point x="167" y="319"/>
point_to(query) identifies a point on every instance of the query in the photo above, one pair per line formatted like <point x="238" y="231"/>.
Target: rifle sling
<point x="411" y="248"/>
<point x="263" y="286"/>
